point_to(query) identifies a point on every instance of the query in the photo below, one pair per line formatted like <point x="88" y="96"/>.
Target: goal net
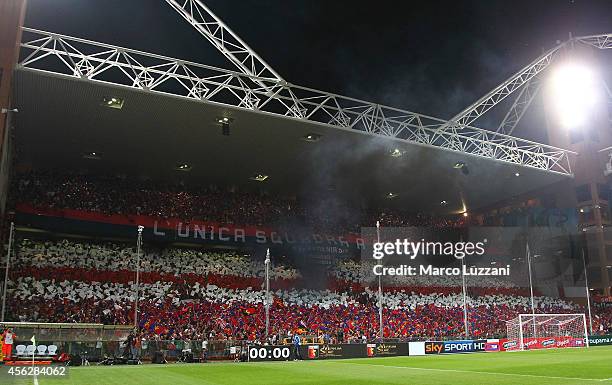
<point x="546" y="331"/>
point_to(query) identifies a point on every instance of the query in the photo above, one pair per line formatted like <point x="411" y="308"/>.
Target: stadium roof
<point x="153" y="134"/>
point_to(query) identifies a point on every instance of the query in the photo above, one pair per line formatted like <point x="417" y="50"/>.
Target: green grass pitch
<point x="561" y="366"/>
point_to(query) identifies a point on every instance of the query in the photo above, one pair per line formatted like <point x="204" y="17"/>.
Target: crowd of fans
<point x="602" y="319"/>
<point x="238" y="313"/>
<point x="188" y="294"/>
<point x="196" y="293"/>
<point x="116" y="257"/>
<point x="120" y="195"/>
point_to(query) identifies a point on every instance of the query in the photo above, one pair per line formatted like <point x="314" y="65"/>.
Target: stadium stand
<point x="195" y="293"/>
<point x="190" y="294"/>
<point x="119" y="195"/>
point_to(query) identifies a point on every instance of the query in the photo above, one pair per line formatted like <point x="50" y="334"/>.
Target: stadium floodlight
<point x="225" y="122"/>
<point x="93" y="155"/>
<point x="259" y="177"/>
<point x="396" y="153"/>
<point x="574" y="87"/>
<point x="183" y="167"/>
<point x="391" y="195"/>
<point x="311" y="137"/>
<point x="459" y="165"/>
<point x="113" y="102"/>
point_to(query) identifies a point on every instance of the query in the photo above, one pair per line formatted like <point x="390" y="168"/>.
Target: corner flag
<point x="33" y="339"/>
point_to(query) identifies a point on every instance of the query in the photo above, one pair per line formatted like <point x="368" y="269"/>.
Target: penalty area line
<point x="490" y="373"/>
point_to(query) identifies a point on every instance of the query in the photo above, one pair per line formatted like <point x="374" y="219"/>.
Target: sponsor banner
<point x="370" y="349"/>
<point x="600" y="340"/>
<point x="467" y="346"/>
<point x="548" y="342"/>
<point x="507" y="344"/>
<point x="532" y="343"/>
<point x="492" y="345"/>
<point x="450" y="347"/>
<point x="338" y="351"/>
<point x="434" y="347"/>
<point x="569" y="342"/>
<point x="334" y="351"/>
<point x="552" y="342"/>
<point x="313" y="352"/>
<point x="416" y="348"/>
<point x="387" y="349"/>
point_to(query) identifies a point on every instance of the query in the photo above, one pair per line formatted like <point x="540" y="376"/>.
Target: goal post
<point x="547" y="331"/>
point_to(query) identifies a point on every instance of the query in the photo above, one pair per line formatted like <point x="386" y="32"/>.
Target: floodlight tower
<point x="577" y="118"/>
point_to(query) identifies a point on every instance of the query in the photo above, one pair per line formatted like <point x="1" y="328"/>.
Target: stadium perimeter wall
<point x="339" y="351"/>
<point x="600" y="340"/>
<point x="420" y="348"/>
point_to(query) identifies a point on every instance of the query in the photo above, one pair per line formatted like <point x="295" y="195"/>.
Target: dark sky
<point x="430" y="56"/>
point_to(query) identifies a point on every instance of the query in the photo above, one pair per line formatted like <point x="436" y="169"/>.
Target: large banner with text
<point x="293" y="241"/>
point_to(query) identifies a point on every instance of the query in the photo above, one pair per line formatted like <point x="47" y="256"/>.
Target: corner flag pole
<point x="267" y="301"/>
<point x="33" y="339"/>
<point x="34" y="375"/>
<point x="380" y="292"/>
<point x="138" y="249"/>
<point x="6" y="269"/>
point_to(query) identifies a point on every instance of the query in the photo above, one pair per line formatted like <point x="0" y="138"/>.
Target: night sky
<point x="434" y="57"/>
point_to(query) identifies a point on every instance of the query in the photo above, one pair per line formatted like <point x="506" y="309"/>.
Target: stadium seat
<point x="41" y="350"/>
<point x="30" y="349"/>
<point x="20" y="350"/>
<point x="52" y="350"/>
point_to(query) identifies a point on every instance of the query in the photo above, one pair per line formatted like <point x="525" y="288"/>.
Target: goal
<point x="546" y="331"/>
